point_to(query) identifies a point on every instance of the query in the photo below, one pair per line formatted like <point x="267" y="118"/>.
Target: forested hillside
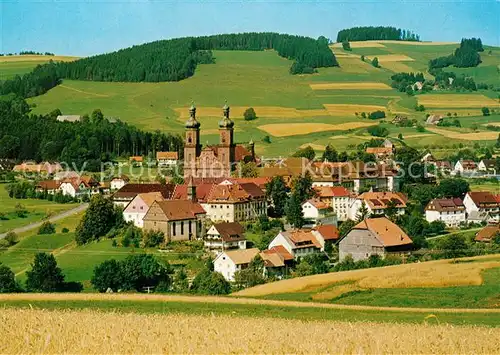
<point x="369" y="33"/>
<point x="466" y="56"/>
<point x="94" y="139"/>
<point x="171" y="60"/>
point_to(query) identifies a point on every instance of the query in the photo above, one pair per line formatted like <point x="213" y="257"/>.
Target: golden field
<point x="441" y="273"/>
<point x="456" y="100"/>
<point x="360" y="44"/>
<point x="36" y="58"/>
<point x="384" y="58"/>
<point x="42" y="331"/>
<point x="350" y="86"/>
<point x="351" y="109"/>
<point x="462" y="112"/>
<point x="397" y="67"/>
<point x="380" y="44"/>
<point x="475" y="136"/>
<point x="294" y="129"/>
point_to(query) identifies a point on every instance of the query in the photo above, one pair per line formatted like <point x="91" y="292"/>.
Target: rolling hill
<point x="326" y="101"/>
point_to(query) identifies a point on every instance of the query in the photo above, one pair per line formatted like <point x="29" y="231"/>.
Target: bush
<point x="346" y="45"/>
<point x="8" y="282"/>
<point x="378" y="131"/>
<point x="11" y="238"/>
<point x="107" y="275"/>
<point x="375" y="62"/>
<point x="266" y="139"/>
<point x="210" y="283"/>
<point x="65" y="230"/>
<point x="249" y="114"/>
<point x="47" y="228"/>
<point x="45" y="275"/>
<point x="485" y="111"/>
<point x="376" y="115"/>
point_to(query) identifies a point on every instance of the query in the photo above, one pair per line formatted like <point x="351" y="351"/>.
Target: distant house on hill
<point x="231" y="261"/>
<point x="69" y="118"/>
<point x="434" y="119"/>
<point x="374" y="236"/>
<point x="136" y="160"/>
<point x="118" y="182"/>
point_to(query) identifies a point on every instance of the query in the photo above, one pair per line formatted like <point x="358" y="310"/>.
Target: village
<point x="212" y="204"/>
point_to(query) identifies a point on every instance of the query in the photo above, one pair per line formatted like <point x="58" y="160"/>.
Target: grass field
<point x="473" y="136"/>
<point x="470" y="283"/>
<point x="52" y="331"/>
<point x="11" y="66"/>
<point x="37" y="210"/>
<point x="261" y="80"/>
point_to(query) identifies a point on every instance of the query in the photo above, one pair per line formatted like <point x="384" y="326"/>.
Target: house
<point x="450" y="211"/>
<point x="230" y="261"/>
<point x="336" y="197"/>
<point x="489" y="165"/>
<point x="434" y="119"/>
<point x="488" y="233"/>
<point x="261" y="182"/>
<point x="136" y="160"/>
<point x="177" y="219"/>
<point x="377" y="203"/>
<point x="67" y="174"/>
<point x="45" y="168"/>
<point x="374" y="236"/>
<point x="77" y="187"/>
<point x="235" y="203"/>
<point x="286" y="168"/>
<point x="139" y="206"/>
<point x="481" y="204"/>
<point x="277" y="261"/>
<point x="118" y="182"/>
<point x="398" y="119"/>
<point x="225" y="236"/>
<point x="167" y="159"/>
<point x="317" y="212"/>
<point x="127" y="193"/>
<point x="381" y="153"/>
<point x="299" y="242"/>
<point x="428" y="158"/>
<point x="49" y="186"/>
<point x="443" y="166"/>
<point x="69" y="118"/>
<point x="465" y="166"/>
<point x="417" y="86"/>
<point x="326" y="233"/>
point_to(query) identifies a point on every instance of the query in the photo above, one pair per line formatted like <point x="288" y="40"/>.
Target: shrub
<point x="485" y="111"/>
<point x="45" y="275"/>
<point x="375" y="62"/>
<point x="376" y="115"/>
<point x="8" y="282"/>
<point x="65" y="230"/>
<point x="106" y="275"/>
<point x="47" y="228"/>
<point x="249" y="114"/>
<point x="266" y="139"/>
<point x="346" y="45"/>
<point x="11" y="238"/>
<point x="378" y="131"/>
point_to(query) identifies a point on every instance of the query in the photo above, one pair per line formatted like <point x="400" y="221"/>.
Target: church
<point x="213" y="161"/>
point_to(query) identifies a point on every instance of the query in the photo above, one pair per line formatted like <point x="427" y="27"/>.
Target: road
<point x="54" y="218"/>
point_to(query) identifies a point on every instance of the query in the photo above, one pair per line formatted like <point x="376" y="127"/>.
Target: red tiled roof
<point x="328" y="231"/>
<point x="167" y="155"/>
<point x="253" y="190"/>
<point x="176" y="210"/>
<point x="202" y="191"/>
<point x="388" y="233"/>
<point x="487" y="233"/>
<point x="48" y="185"/>
<point x="259" y="181"/>
<point x="230" y="231"/>
<point x="482" y="197"/>
<point x="445" y="204"/>
<point x="132" y="190"/>
<point x="340" y="191"/>
<point x="320" y="205"/>
<point x="283" y="252"/>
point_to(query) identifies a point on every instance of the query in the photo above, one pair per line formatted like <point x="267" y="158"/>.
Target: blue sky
<point x="85" y="27"/>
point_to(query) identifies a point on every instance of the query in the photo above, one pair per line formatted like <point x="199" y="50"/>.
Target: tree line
<point x="465" y="56"/>
<point x="369" y="33"/>
<point x="170" y="60"/>
<point x="24" y="136"/>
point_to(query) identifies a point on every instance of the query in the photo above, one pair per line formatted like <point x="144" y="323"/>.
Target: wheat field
<point x="456" y="101"/>
<point x="293" y="129"/>
<point x="441" y="273"/>
<point x="351" y="109"/>
<point x="350" y="86"/>
<point x="93" y="332"/>
<point x="473" y="136"/>
<point x="36" y="58"/>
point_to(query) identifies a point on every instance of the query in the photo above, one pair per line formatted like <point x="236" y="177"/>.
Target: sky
<point x="87" y="27"/>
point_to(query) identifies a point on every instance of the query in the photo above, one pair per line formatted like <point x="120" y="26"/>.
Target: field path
<point x="83" y="92"/>
<point x="54" y="218"/>
<point x="225" y="300"/>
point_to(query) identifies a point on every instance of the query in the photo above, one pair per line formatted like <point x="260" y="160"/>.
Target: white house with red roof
<point x="314" y="210"/>
<point x="482" y="206"/>
<point x="451" y="211"/>
<point x="299" y="242"/>
<point x="84" y="185"/>
<point x="377" y="203"/>
<point x="118" y="182"/>
<point x="139" y="206"/>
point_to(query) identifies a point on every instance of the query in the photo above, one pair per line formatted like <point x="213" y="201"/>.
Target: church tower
<point x="192" y="146"/>
<point x="226" y="146"/>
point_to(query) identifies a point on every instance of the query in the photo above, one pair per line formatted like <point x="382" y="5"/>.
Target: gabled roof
<point x="121" y="177"/>
<point x="445" y="204"/>
<point x="136" y="158"/>
<point x="48" y="185"/>
<point x="379" y="150"/>
<point x="253" y="190"/>
<point x="202" y="191"/>
<point x="380" y="200"/>
<point x="280" y="249"/>
<point x="272" y="258"/>
<point x="177" y="210"/>
<point x="487" y="233"/>
<point x="129" y="191"/>
<point x="235" y="193"/>
<point x="150" y="197"/>
<point x="302" y="238"/>
<point x="482" y="198"/>
<point x="468" y="164"/>
<point x="167" y="155"/>
<point x="328" y="231"/>
<point x="331" y="191"/>
<point x="387" y="232"/>
<point x="240" y="256"/>
<point x="317" y="204"/>
<point x="489" y="163"/>
<point x="259" y="181"/>
<point x="230" y="231"/>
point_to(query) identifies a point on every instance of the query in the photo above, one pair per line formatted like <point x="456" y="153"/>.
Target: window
<point x="190" y="227"/>
<point x="173" y="229"/>
<point x="182" y="227"/>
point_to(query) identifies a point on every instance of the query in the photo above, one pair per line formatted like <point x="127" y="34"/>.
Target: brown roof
<point x="320" y="205"/>
<point x="253" y="190"/>
<point x="487" y="233"/>
<point x="176" y="210"/>
<point x="443" y="164"/>
<point x="468" y="164"/>
<point x="380" y="200"/>
<point x="167" y="155"/>
<point x="483" y="198"/>
<point x="150" y="197"/>
<point x="445" y="204"/>
<point x="331" y="191"/>
<point x="234" y="193"/>
<point x="272" y="258"/>
<point x="379" y="150"/>
<point x="388" y="233"/>
<point x="136" y="158"/>
<point x="230" y="231"/>
<point x="283" y="252"/>
<point x="240" y="152"/>
<point x="259" y="181"/>
<point x="129" y="191"/>
<point x="45" y="167"/>
<point x="48" y="185"/>
<point x="242" y="256"/>
<point x="202" y="191"/>
<point x="328" y="232"/>
<point x="302" y="238"/>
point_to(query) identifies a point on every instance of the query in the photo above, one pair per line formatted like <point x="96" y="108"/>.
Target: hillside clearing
<point x="457" y="100"/>
<point x="293" y="129"/>
<point x="350" y="86"/>
<point x="439" y="273"/>
<point x="477" y="136"/>
<point x="53" y="331"/>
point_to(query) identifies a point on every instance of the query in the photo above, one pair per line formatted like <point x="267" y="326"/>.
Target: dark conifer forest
<point x="170" y="60"/>
<point x="370" y="33"/>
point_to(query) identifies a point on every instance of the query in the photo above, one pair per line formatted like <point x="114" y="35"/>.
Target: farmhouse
<point x="374" y="236"/>
<point x="136" y="160"/>
<point x="127" y="193"/>
<point x="488" y="233"/>
<point x="228" y="262"/>
<point x="465" y="166"/>
<point x="483" y="204"/>
<point x="167" y="159"/>
<point x="225" y="236"/>
<point x="213" y="161"/>
<point x="177" y="219"/>
<point x="489" y="165"/>
<point x="381" y="153"/>
<point x="49" y="186"/>
<point x="450" y="211"/>
<point x="139" y="206"/>
<point x="68" y="118"/>
<point x="118" y="182"/>
<point x="315" y="211"/>
<point x="378" y="203"/>
<point x="298" y="243"/>
<point x="84" y="185"/>
<point x="336" y="197"/>
<point x="434" y="119"/>
<point x="286" y="168"/>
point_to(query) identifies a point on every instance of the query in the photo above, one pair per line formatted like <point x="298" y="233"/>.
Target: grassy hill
<point x="324" y="103"/>
<point x="463" y="283"/>
<point x="11" y="66"/>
